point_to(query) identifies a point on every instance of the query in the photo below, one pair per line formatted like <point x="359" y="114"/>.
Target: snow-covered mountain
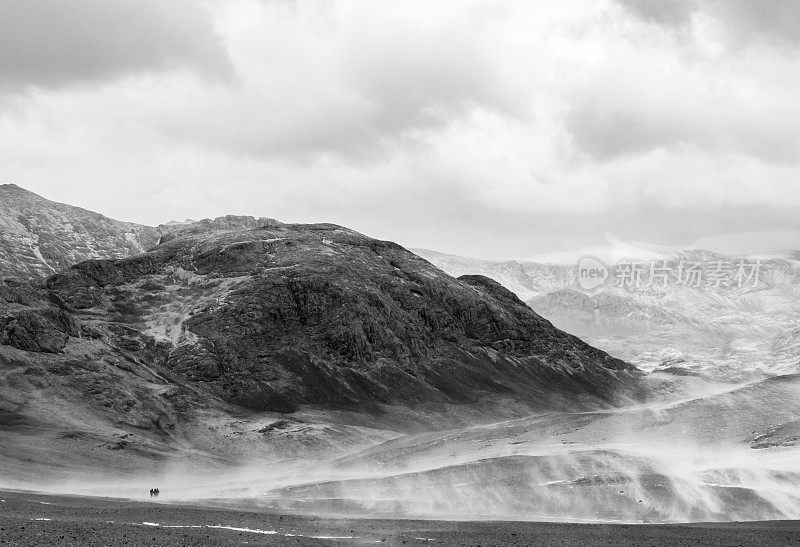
<point x="526" y="279"/>
<point x="731" y="317"/>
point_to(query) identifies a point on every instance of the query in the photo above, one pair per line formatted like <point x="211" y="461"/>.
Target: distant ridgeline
<point x="39" y="237"/>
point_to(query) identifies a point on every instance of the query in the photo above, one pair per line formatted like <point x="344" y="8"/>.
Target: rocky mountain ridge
<point x="39" y="237"/>
<point x="279" y="316"/>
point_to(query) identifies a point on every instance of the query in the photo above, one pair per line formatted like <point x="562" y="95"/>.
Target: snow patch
<point x="243" y="529"/>
<point x="250" y="530"/>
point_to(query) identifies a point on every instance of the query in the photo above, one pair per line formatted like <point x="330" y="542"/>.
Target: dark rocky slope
<point x="287" y="315"/>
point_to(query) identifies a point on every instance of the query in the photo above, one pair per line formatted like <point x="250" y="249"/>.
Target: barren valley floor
<point x="37" y="519"/>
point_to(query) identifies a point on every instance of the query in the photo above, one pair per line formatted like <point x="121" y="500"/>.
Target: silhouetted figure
<point x="155" y="492"/>
<point x="152" y="492"/>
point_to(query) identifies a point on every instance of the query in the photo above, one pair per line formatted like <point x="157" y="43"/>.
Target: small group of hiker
<point x="154" y="492"/>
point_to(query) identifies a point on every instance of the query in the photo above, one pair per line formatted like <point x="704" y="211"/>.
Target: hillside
<point x="215" y="325"/>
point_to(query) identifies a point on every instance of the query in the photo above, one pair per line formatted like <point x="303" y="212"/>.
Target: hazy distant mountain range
<point x="730" y="329"/>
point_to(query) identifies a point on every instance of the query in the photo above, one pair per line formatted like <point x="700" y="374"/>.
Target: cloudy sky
<point x="483" y="128"/>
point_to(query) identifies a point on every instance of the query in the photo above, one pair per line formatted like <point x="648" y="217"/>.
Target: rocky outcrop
<point x="44" y="330"/>
<point x="227" y="222"/>
<point x="29" y="324"/>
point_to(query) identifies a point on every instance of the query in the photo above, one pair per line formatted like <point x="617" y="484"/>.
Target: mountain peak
<point x="39" y="237"/>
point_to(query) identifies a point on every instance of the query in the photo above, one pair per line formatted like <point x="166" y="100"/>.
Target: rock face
<point x="39" y="237"/>
<point x="282" y="315"/>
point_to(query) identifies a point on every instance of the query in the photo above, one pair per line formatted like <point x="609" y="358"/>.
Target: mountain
<point x="39" y="237"/>
<point x="312" y="369"/>
<point x="731" y="330"/>
<point x="228" y="326"/>
<point x="526" y="279"/>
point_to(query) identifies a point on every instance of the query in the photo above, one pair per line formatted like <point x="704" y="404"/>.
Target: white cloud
<point x="450" y="124"/>
<point x="50" y="44"/>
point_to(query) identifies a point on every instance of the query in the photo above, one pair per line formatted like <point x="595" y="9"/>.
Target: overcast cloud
<point x="51" y="43"/>
<point x="492" y="129"/>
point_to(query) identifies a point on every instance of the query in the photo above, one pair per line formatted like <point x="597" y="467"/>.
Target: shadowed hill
<point x="287" y="315"/>
<point x="289" y="339"/>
